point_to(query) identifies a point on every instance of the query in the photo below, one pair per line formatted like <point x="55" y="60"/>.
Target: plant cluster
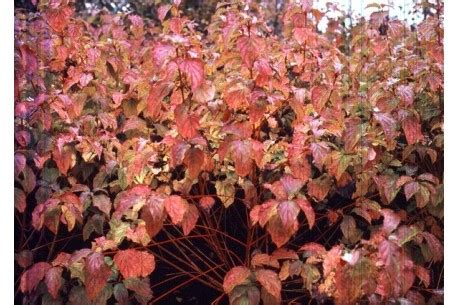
<point x="274" y="167"/>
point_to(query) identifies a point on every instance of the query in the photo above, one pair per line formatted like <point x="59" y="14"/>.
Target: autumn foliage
<point x="294" y="167"/>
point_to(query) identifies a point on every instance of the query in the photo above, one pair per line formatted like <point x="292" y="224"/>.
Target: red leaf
<point x="319" y="96"/>
<point x="435" y="246"/>
<point x="306" y="207"/>
<point x="53" y="280"/>
<point x="270" y="281"/>
<point x="134" y="263"/>
<point x="313" y="249"/>
<point x="236" y="276"/>
<point x="423" y="275"/>
<point x="176" y="207"/>
<point x="59" y="18"/>
<point x="32" y="277"/>
<point x="96" y="274"/>
<point x="241" y="154"/>
<point x="319" y="187"/>
<point x="249" y="49"/>
<point x="236" y="98"/>
<point x="206" y="202"/>
<point x="24" y="258"/>
<point x="288" y="211"/>
<point x="412" y="129"/>
<point x="189" y="219"/>
<point x="187" y="124"/>
<point x="19" y="200"/>
<point x="193" y="68"/>
<point x="194" y="159"/>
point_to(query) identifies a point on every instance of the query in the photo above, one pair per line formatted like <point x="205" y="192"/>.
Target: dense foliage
<point x="268" y="167"/>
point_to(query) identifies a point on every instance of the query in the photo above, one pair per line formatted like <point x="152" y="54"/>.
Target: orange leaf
<point x="134" y="263"/>
<point x="236" y="276"/>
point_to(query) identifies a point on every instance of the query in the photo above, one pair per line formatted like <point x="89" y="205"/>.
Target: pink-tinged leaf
<point x="235" y="277"/>
<point x="411" y="189"/>
<point x="176" y="208"/>
<point x="319" y="96"/>
<point x="403" y="180"/>
<point x="319" y="152"/>
<point x="96" y="274"/>
<point x="19" y="200"/>
<point x="405" y="92"/>
<point x="205" y="93"/>
<point x="53" y="280"/>
<point x="134" y="263"/>
<point x="388" y="124"/>
<point x="435" y="246"/>
<point x="313" y="249"/>
<point x="241" y="154"/>
<point x="19" y="163"/>
<point x="391" y="220"/>
<point x="193" y="68"/>
<point x="288" y="211"/>
<point x="188" y="125"/>
<point x="133" y="198"/>
<point x="249" y="49"/>
<point x="190" y="219"/>
<point x="270" y="281"/>
<point x="428" y="177"/>
<point x="32" y="277"/>
<point x="306" y="207"/>
<point x="423" y="274"/>
<point x="103" y="203"/>
<point x="387" y="187"/>
<point x="162" y="11"/>
<point x="85" y="79"/>
<point x="62" y="259"/>
<point x="291" y="185"/>
<point x="194" y="159"/>
<point x="412" y="129"/>
<point x="307" y="5"/>
<point x="206" y="203"/>
<point x="162" y="52"/>
<point x="23" y="137"/>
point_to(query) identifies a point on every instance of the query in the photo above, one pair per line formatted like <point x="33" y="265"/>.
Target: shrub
<point x="284" y="168"/>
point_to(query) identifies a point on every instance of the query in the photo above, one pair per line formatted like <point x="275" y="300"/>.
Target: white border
<point x="7" y="151"/>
